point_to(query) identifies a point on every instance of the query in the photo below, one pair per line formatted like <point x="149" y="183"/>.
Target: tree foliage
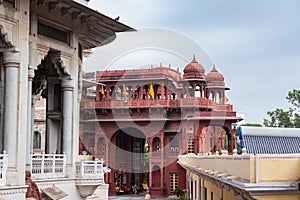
<point x="252" y="124"/>
<point x="293" y="97"/>
<point x="286" y="118"/>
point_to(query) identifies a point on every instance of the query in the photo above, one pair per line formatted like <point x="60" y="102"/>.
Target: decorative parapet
<point x="90" y="175"/>
<point x="247" y="168"/>
<point x="91" y="169"/>
<point x="48" y="165"/>
<point x="225" y="165"/>
<point x="147" y="103"/>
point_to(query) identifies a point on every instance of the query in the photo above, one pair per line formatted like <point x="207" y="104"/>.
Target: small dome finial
<point x="214" y="68"/>
<point x="194" y="59"/>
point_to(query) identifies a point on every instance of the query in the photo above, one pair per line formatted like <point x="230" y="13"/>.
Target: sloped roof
<point x="93" y="28"/>
<point x="271" y="144"/>
<point x="265" y="140"/>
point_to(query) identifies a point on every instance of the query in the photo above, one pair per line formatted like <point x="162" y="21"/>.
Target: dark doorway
<point x="129" y="158"/>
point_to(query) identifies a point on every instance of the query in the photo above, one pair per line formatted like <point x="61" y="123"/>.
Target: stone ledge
<point x="8" y="190"/>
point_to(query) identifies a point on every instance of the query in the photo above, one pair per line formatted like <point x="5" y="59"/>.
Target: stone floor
<point x="137" y="197"/>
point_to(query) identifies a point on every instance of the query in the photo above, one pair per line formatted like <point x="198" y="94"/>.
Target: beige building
<point x="235" y="177"/>
<point x="270" y="172"/>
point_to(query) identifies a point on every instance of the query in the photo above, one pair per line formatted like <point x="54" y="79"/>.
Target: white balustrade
<point x="91" y="169"/>
<point x="3" y="168"/>
<point x="48" y="165"/>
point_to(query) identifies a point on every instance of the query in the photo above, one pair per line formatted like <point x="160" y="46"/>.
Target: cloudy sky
<point x="254" y="44"/>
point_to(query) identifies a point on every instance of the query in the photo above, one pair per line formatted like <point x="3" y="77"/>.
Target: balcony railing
<point x="3" y="168"/>
<point x="91" y="169"/>
<point x="147" y="103"/>
<point x="225" y="107"/>
<point x="48" y="165"/>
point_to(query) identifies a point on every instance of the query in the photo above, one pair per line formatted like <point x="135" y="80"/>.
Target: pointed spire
<point x="214" y="69"/>
<point x="194" y="59"/>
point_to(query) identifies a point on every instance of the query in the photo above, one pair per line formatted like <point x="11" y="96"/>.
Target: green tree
<point x="251" y="124"/>
<point x="286" y="118"/>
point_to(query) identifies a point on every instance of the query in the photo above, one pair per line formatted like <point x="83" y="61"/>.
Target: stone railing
<point x="196" y="102"/>
<point x="48" y="165"/>
<point x="3" y="168"/>
<point x="227" y="165"/>
<point x="147" y="103"/>
<point x="91" y="169"/>
<point x="224" y="107"/>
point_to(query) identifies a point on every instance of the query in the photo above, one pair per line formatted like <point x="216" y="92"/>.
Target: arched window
<point x="111" y="92"/>
<point x="174" y="96"/>
<point x="211" y="96"/>
<point x="137" y="92"/>
<point x="156" y="144"/>
<point x="174" y="146"/>
<point x="198" y="91"/>
<point x="37" y="140"/>
<point x="119" y="93"/>
<point x="218" y="98"/>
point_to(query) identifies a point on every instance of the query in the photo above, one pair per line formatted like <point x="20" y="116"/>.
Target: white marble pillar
<point x="11" y="62"/>
<point x="67" y="88"/>
<point x="29" y="138"/>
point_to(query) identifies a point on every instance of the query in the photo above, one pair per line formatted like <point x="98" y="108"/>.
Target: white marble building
<point x="41" y="44"/>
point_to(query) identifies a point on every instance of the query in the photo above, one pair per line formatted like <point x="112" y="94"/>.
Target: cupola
<point x="194" y="70"/>
<point x="215" y="78"/>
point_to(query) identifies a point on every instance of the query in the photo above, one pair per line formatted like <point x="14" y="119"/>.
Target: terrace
<point x="246" y="169"/>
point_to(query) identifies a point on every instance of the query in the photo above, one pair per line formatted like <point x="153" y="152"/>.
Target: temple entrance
<point x="129" y="160"/>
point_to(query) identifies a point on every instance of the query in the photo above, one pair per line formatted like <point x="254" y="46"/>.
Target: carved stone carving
<point x="4" y="41"/>
<point x="32" y="190"/>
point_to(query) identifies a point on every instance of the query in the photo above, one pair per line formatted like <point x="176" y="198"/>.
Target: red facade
<point x="159" y="110"/>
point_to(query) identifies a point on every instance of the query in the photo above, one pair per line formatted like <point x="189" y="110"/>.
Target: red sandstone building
<point x="157" y="109"/>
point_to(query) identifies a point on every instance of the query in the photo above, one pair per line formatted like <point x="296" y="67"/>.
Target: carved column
<point x="30" y="117"/>
<point x="67" y="89"/>
<point x="141" y="92"/>
<point x="162" y="153"/>
<point x="11" y="62"/>
<point x="107" y="89"/>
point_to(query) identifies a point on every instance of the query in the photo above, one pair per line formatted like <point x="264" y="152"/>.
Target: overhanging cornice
<point x="94" y="29"/>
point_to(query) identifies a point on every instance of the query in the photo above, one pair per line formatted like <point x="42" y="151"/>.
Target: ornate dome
<point x="193" y="67"/>
<point x="214" y="76"/>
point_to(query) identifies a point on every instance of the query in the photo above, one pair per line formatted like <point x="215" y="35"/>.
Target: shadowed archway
<point x="127" y="158"/>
